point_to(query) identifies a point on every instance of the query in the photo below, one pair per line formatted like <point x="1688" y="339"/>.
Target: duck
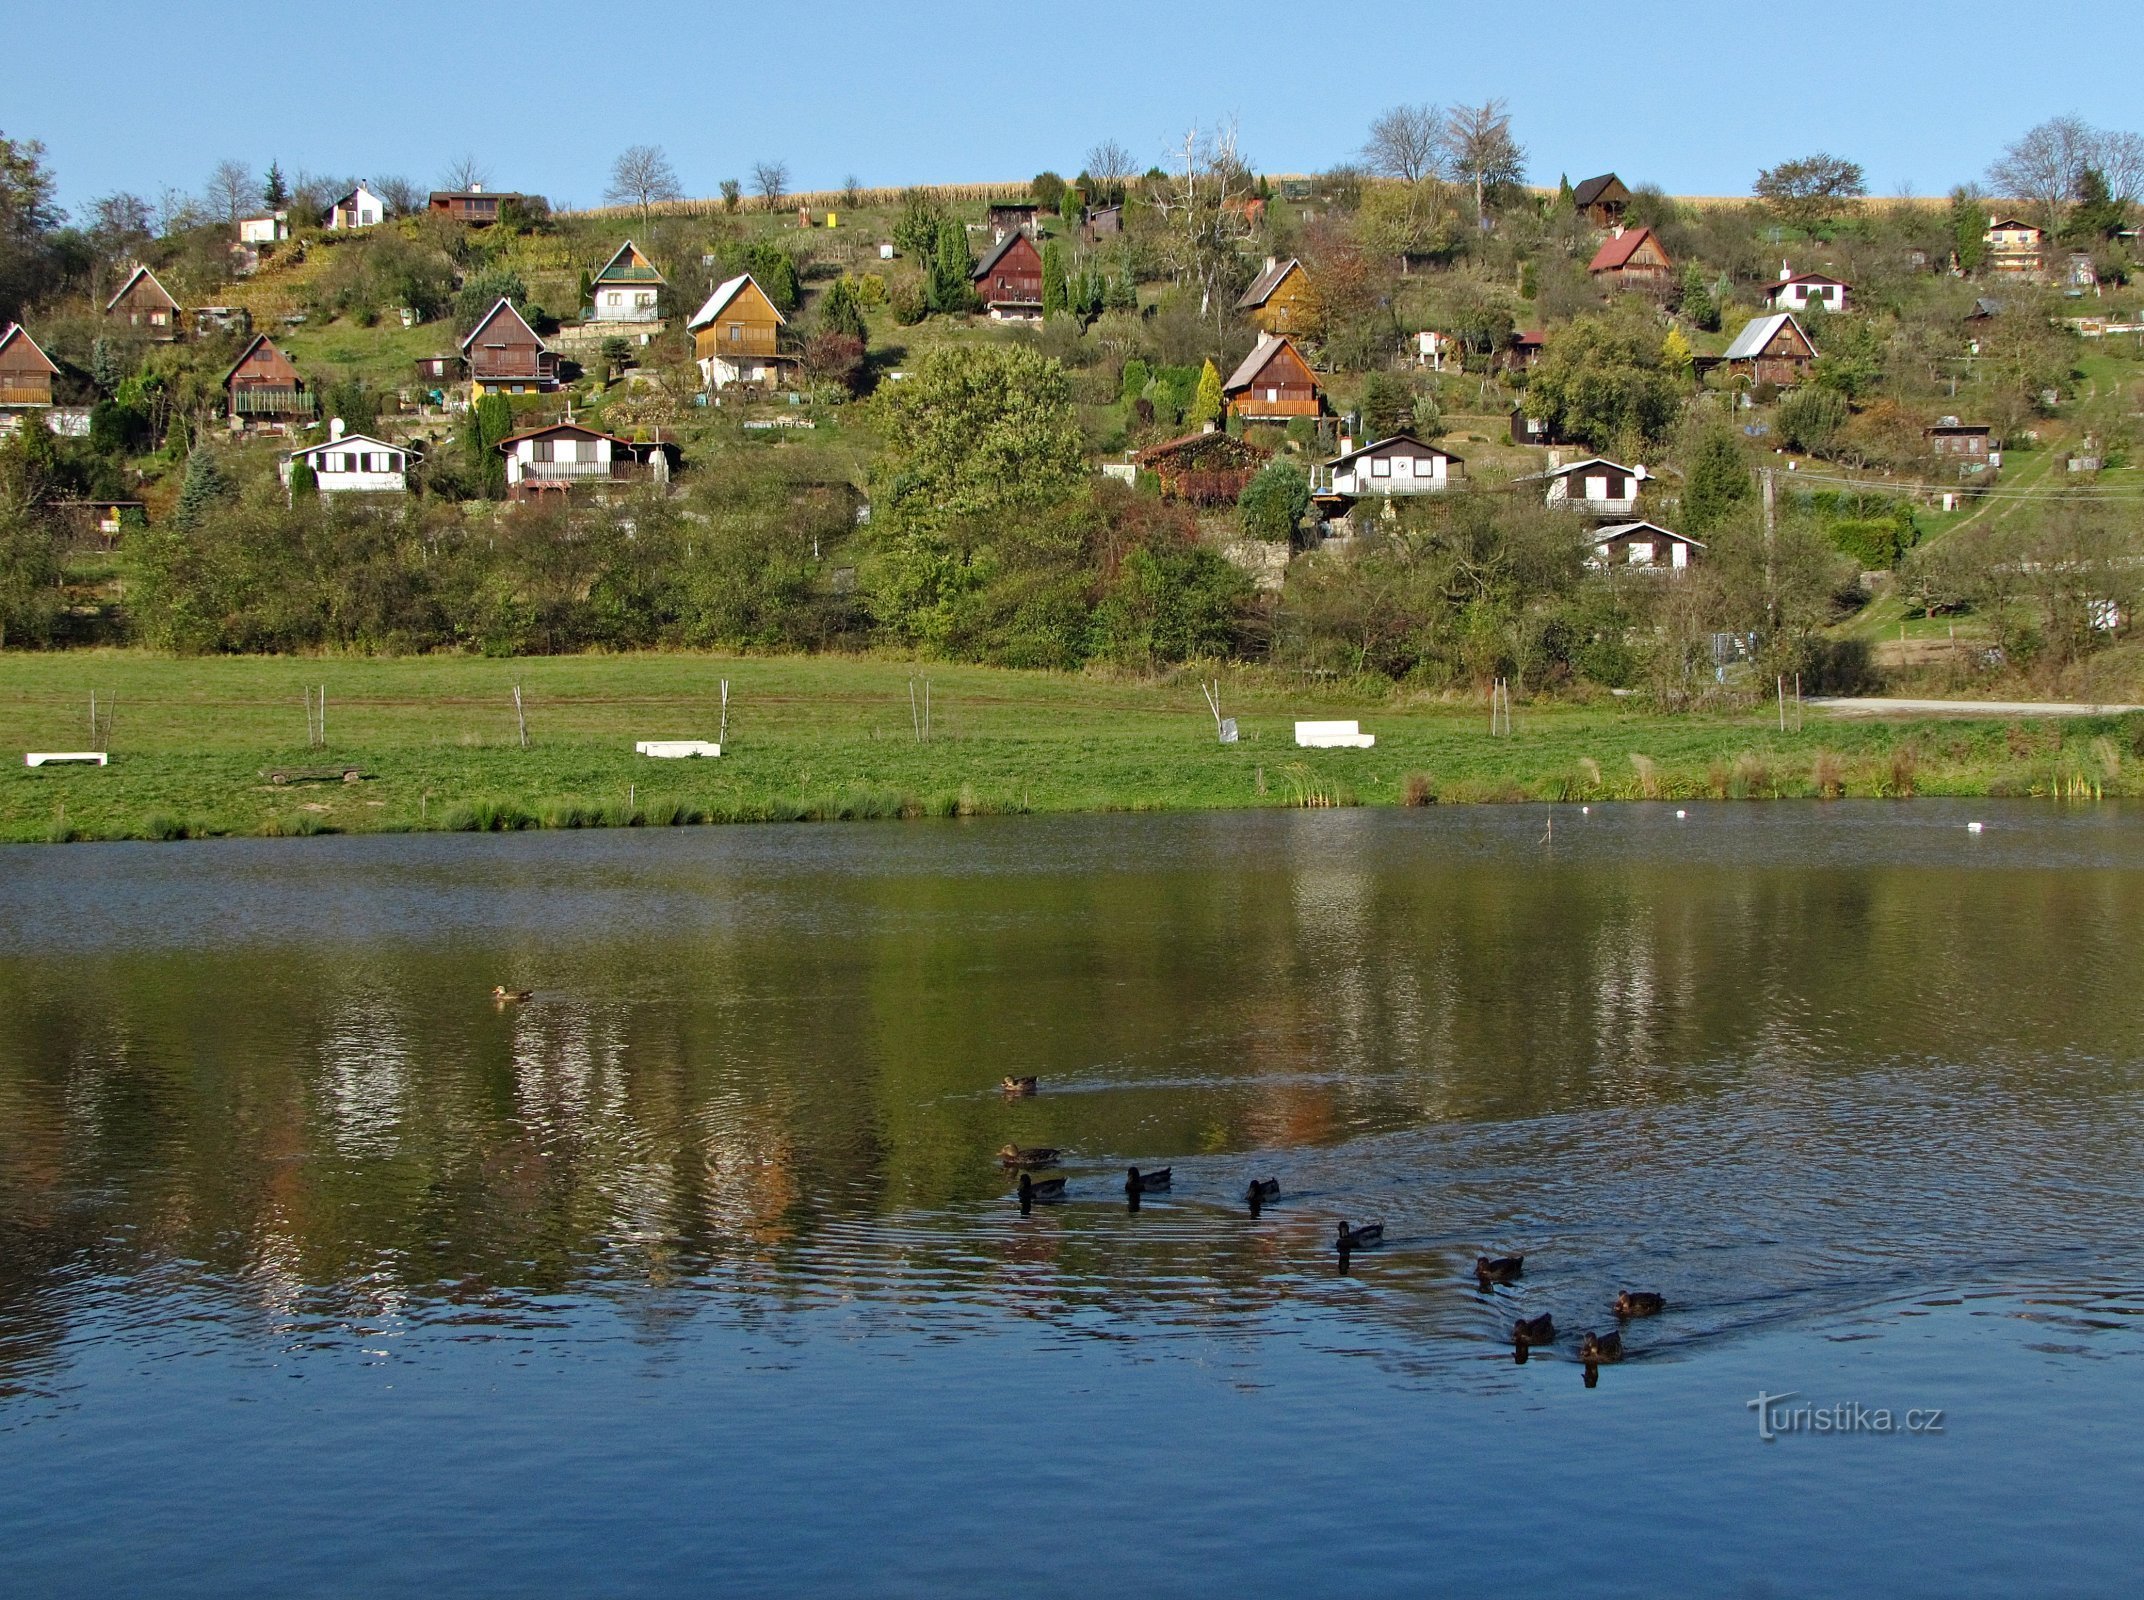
<point x="1017" y="1086"/>
<point x="1137" y="1182"/>
<point x="1534" y="1330"/>
<point x="1598" y="1349"/>
<point x="1036" y="1155"/>
<point x="1639" y="1303"/>
<point x="1260" y="1191"/>
<point x="1360" y="1238"/>
<point x="1043" y="1193"/>
<point x="501" y="993"/>
<point x="1498" y="1269"/>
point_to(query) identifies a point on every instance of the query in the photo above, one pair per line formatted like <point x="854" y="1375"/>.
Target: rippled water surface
<point x="321" y="1273"/>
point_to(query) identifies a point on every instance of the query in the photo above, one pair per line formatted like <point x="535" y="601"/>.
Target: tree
<point x="1405" y="143"/>
<point x="2097" y="216"/>
<point x="1480" y="151"/>
<point x="29" y="215"/>
<point x="1387" y="405"/>
<point x="1274" y="502"/>
<point x="275" y="193"/>
<point x="951" y="290"/>
<point x="1048" y="189"/>
<point x="1718" y="481"/>
<point x="732" y="194"/>
<point x="1810" y="418"/>
<point x="1808" y="192"/>
<point x="770" y="181"/>
<point x="399" y="195"/>
<point x="2043" y="168"/>
<point x="1207" y="402"/>
<point x="231" y="188"/>
<point x="1200" y="201"/>
<point x="837" y="359"/>
<point x="975" y="430"/>
<point x="1055" y="301"/>
<point x="1069" y="205"/>
<point x="1603" y="381"/>
<point x="852" y="192"/>
<point x="490" y="420"/>
<point x="1696" y="302"/>
<point x="465" y="173"/>
<point x="840" y="312"/>
<point x="915" y="231"/>
<point x="1110" y="165"/>
<point x="642" y="176"/>
<point x="204" y="485"/>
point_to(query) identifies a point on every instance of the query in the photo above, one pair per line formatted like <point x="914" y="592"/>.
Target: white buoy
<point x="1679" y="815"/>
<point x="1973" y="827"/>
<point x="1585" y="811"/>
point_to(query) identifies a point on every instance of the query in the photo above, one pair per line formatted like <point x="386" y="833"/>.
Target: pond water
<point x="321" y="1272"/>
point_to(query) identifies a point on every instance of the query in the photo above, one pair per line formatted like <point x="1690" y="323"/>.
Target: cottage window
<point x="1272" y="397"/>
<point x="736" y="333"/>
<point x="1380" y="467"/>
<point x="1678" y="555"/>
<point x="1641" y="553"/>
<point x="394" y="461"/>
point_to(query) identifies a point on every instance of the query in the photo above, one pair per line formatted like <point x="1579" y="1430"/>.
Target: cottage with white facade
<point x="627" y="289"/>
<point x="1644" y="545"/>
<point x="1596" y="486"/>
<point x="352" y="463"/>
<point x="1806" y="291"/>
<point x="1400" y="465"/>
<point x="360" y="208"/>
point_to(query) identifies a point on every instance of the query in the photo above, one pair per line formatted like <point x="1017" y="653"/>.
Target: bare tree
<point x="641" y="176"/>
<point x="1405" y="143"/>
<point x="175" y="212"/>
<point x="770" y="181"/>
<point x="1479" y="150"/>
<point x="2045" y="167"/>
<point x="231" y="188"/>
<point x="400" y="196"/>
<point x="1202" y="200"/>
<point x="122" y="221"/>
<point x="1110" y="165"/>
<point x="2121" y="163"/>
<point x="852" y="191"/>
<point x="466" y="173"/>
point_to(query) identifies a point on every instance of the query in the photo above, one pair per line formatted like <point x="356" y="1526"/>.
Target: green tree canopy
<point x="976" y="429"/>
<point x="1273" y="503"/>
<point x="1717" y="482"/>
<point x="1604" y="382"/>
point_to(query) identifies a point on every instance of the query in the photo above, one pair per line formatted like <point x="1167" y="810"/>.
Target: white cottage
<point x="360" y="208"/>
<point x="352" y="463"/>
<point x="1645" y="545"/>
<point x="1596" y="485"/>
<point x="1399" y="465"/>
<point x="566" y="455"/>
<point x="627" y="289"/>
<point x="1806" y="291"/>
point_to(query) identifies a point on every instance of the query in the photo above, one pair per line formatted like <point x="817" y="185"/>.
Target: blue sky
<point x="1693" y="97"/>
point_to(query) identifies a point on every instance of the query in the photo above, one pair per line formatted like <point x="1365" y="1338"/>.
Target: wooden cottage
<point x="1101" y="222"/>
<point x="1632" y="258"/>
<point x="1602" y="201"/>
<point x="26" y="372"/>
<point x="144" y="303"/>
<point x="263" y="390"/>
<point x="1806" y="291"/>
<point x="476" y="206"/>
<point x="503" y="355"/>
<point x="2015" y="249"/>
<point x="1005" y="218"/>
<point x="567" y="455"/>
<point x="1596" y="486"/>
<point x="736" y="337"/>
<point x="1280" y="299"/>
<point x="360" y="208"/>
<point x="1400" y="465"/>
<point x="627" y="289"/>
<point x="1202" y="468"/>
<point x="1646" y="546"/>
<point x="1968" y="442"/>
<point x="1770" y="349"/>
<point x="1273" y="383"/>
<point x="1524" y="352"/>
<point x="1009" y="280"/>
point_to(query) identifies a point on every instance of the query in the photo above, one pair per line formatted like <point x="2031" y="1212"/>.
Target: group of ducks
<point x="1595" y="1350"/>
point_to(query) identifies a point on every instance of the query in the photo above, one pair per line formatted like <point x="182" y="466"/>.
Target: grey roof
<point x="1265" y="283"/>
<point x="998" y="254"/>
<point x="1757" y="333"/>
<point x="1616" y="530"/>
<point x="1568" y="468"/>
<point x="1250" y="366"/>
<point x="1386" y="444"/>
<point x="1590" y="190"/>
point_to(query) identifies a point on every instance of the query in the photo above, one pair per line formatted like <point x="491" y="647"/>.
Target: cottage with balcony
<point x="144" y="303"/>
<point x="26" y="372"/>
<point x="736" y="337"/>
<point x="1596" y="486"/>
<point x="476" y="207"/>
<point x="567" y="456"/>
<point x="263" y="391"/>
<point x="1645" y="546"/>
<point x="1400" y="465"/>
<point x="1008" y="281"/>
<point x="1273" y="383"/>
<point x="2015" y="249"/>
<point x="628" y="288"/>
<point x="504" y="356"/>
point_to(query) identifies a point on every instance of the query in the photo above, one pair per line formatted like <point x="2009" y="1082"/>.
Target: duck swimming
<point x="1260" y="1191"/>
<point x="1534" y="1330"/>
<point x="1137" y="1182"/>
<point x="1498" y="1269"/>
<point x="501" y="993"/>
<point x="1032" y="1194"/>
<point x="1017" y="1086"/>
<point x="1599" y="1349"/>
<point x="1639" y="1303"/>
<point x="1370" y="1233"/>
<point x="1037" y="1155"/>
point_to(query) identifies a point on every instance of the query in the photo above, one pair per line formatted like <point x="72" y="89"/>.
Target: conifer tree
<point x="1719" y="481"/>
<point x="1054" y="299"/>
<point x="952" y="270"/>
<point x="275" y="193"/>
<point x="205" y="484"/>
<point x="1206" y="404"/>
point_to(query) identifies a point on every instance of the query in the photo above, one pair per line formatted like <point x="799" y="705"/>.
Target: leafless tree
<point x="1406" y="143"/>
<point x="2042" y="168"/>
<point x="1110" y="165"/>
<point x="852" y="191"/>
<point x="175" y="212"/>
<point x="231" y="190"/>
<point x="2121" y="163"/>
<point x="770" y="181"/>
<point x="641" y="176"/>
<point x="1480" y="151"/>
<point x="465" y="174"/>
<point x="121" y="221"/>
<point x="399" y="195"/>
<point x="1202" y="200"/>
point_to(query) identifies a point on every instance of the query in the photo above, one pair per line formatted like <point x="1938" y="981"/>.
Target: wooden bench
<point x="1333" y="736"/>
<point x="56" y="758"/>
<point x="676" y="749"/>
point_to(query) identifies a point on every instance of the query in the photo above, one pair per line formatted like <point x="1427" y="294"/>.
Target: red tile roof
<point x="1615" y="251"/>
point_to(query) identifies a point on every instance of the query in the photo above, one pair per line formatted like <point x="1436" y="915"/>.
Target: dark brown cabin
<point x="505" y="356"/>
<point x="1010" y="279"/>
<point x="264" y="390"/>
<point x="478" y="207"/>
<point x="26" y="372"/>
<point x="1273" y="383"/>
<point x="144" y="303"/>
<point x="1602" y="201"/>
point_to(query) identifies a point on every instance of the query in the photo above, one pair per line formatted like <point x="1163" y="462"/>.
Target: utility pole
<point x="1771" y="535"/>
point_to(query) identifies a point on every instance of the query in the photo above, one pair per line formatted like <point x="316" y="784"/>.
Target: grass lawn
<point x="831" y="737"/>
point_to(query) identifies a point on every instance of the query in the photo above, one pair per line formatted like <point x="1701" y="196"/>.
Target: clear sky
<point x="141" y="94"/>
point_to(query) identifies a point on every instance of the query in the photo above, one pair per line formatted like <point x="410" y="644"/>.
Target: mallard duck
<point x="1498" y="1269"/>
<point x="1043" y="1193"/>
<point x="502" y="993"/>
<point x="1639" y="1303"/>
<point x="1360" y="1238"/>
<point x="1017" y="1086"/>
<point x="1038" y="1155"/>
<point x="1137" y="1182"/>
<point x="1260" y="1191"/>
<point x="1598" y="1349"/>
<point x="1534" y="1330"/>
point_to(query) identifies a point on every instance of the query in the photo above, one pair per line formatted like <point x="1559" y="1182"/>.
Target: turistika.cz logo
<point x="1776" y="1416"/>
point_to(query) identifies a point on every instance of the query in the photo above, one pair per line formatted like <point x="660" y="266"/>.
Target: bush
<point x="1273" y="503"/>
<point x="907" y="303"/>
<point x="1810" y="419"/>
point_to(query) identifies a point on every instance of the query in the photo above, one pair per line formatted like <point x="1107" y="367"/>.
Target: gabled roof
<point x="1807" y="277"/>
<point x="506" y="306"/>
<point x="1570" y="467"/>
<point x="1262" y="355"/>
<point x="1003" y="248"/>
<point x="246" y="355"/>
<point x="1617" y="249"/>
<point x="718" y="302"/>
<point x="2011" y="222"/>
<point x="1387" y="443"/>
<point x="1217" y="442"/>
<point x="637" y="269"/>
<point x="552" y="430"/>
<point x="1616" y="530"/>
<point x="135" y="277"/>
<point x="352" y="196"/>
<point x="348" y="439"/>
<point x="1262" y="287"/>
<point x="1593" y="188"/>
<point x="17" y="332"/>
<point x="1761" y="331"/>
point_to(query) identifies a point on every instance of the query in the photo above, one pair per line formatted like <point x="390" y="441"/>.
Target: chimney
<point x="476" y="188"/>
<point x="1785" y="272"/>
<point x="1272" y="262"/>
<point x="334" y="429"/>
<point x="1618" y="230"/>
